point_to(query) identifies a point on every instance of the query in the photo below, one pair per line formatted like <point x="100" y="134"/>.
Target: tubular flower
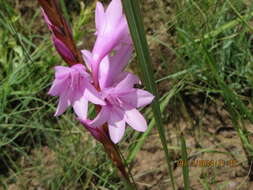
<point x="111" y="66"/>
<point x="111" y="30"/>
<point x="122" y="101"/>
<point x="72" y="85"/>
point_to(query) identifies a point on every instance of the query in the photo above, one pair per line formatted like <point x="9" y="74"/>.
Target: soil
<point x="208" y="143"/>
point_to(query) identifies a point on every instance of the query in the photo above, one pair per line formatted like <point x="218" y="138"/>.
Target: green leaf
<point x="135" y="22"/>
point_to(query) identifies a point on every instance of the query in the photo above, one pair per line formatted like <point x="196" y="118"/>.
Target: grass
<point x="136" y="27"/>
<point x="202" y="55"/>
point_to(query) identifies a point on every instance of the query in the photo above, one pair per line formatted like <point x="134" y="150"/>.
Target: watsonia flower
<point x="110" y="88"/>
<point x="111" y="66"/>
<point x="73" y="85"/>
<point x="111" y="31"/>
<point x="122" y="101"/>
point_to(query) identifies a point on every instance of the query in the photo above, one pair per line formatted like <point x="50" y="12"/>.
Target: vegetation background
<point x="202" y="53"/>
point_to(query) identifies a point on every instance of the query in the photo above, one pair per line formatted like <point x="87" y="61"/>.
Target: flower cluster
<point x="102" y="80"/>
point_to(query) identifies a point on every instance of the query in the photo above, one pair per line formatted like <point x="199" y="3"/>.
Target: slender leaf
<point x="135" y="21"/>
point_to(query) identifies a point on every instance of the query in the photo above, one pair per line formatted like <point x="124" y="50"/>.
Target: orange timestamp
<point x="207" y="163"/>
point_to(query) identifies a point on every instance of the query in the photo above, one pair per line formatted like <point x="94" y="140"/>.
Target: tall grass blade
<point x="185" y="163"/>
<point x="135" y="22"/>
<point x="227" y="26"/>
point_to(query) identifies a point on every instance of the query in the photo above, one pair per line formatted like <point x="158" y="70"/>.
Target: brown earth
<point x="211" y="140"/>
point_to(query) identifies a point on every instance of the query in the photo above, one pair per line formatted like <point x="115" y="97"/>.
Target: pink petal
<point x="126" y="39"/>
<point x="111" y="67"/>
<point x="62" y="105"/>
<point x="87" y="56"/>
<point x="135" y="119"/>
<point x="120" y="77"/>
<point x="107" y="42"/>
<point x="114" y="12"/>
<point x="61" y="71"/>
<point x="100" y="17"/>
<point x="74" y="79"/>
<point x="122" y="57"/>
<point x="137" y="98"/>
<point x="144" y="98"/>
<point x="104" y="72"/>
<point x="116" y="125"/>
<point x="81" y="108"/>
<point x="116" y="132"/>
<point x="101" y="118"/>
<point x="127" y="83"/>
<point x="58" y="87"/>
<point x="103" y="45"/>
<point x="80" y="68"/>
<point x="93" y="96"/>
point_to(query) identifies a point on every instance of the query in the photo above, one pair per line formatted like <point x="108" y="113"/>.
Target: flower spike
<point x="61" y="32"/>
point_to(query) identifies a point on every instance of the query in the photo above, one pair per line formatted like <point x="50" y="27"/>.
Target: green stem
<point x="115" y="155"/>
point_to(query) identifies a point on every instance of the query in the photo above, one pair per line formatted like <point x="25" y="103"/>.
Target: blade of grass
<point x="226" y="26"/>
<point x="223" y="28"/>
<point x="240" y="17"/>
<point x="134" y="18"/>
<point x="185" y="161"/>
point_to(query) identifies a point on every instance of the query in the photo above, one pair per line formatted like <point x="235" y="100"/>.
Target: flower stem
<point x="114" y="154"/>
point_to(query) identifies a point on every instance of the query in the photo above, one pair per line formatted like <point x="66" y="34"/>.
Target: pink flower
<point x="111" y="30"/>
<point x="73" y="86"/>
<point x="118" y="100"/>
<point x="122" y="101"/>
<point x="111" y="66"/>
